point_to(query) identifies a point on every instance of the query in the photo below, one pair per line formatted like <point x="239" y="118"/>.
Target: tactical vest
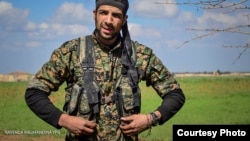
<point x="84" y="97"/>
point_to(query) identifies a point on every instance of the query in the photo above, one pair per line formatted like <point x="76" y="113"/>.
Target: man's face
<point x="109" y="21"/>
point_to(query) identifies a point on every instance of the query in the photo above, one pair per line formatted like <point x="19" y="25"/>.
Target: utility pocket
<point x="73" y="93"/>
<point x="90" y="100"/>
<point x="76" y="100"/>
<point x="131" y="97"/>
<point x="84" y="107"/>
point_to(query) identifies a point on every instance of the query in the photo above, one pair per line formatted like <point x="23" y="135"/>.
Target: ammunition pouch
<point x="127" y="98"/>
<point x="76" y="101"/>
<point x="79" y="102"/>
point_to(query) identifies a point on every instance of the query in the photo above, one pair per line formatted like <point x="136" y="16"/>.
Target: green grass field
<point x="209" y="100"/>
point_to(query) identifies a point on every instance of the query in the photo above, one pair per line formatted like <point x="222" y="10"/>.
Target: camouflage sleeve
<point x="54" y="72"/>
<point x="155" y="73"/>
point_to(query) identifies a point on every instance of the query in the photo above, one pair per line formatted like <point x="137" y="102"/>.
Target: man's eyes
<point x="116" y="15"/>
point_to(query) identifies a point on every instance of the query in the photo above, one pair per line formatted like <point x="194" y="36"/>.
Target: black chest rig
<point x="85" y="97"/>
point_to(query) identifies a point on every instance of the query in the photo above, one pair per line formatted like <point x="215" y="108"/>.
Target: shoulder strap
<point x="88" y="64"/>
<point x="86" y="53"/>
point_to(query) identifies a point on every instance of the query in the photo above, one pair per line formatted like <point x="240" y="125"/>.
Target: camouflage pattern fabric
<point x="65" y="66"/>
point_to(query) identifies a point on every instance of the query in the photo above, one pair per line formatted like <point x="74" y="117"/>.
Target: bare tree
<point x="225" y="7"/>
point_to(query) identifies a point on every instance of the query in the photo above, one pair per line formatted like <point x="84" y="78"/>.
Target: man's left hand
<point x="134" y="124"/>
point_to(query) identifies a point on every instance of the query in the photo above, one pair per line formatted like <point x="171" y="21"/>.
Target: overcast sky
<point x="30" y="30"/>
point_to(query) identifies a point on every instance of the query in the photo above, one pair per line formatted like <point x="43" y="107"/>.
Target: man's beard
<point x="104" y="36"/>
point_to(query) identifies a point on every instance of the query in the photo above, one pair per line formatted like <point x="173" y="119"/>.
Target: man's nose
<point x="109" y="19"/>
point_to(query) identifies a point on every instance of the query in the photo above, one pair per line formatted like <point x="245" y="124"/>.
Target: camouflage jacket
<point x="65" y="66"/>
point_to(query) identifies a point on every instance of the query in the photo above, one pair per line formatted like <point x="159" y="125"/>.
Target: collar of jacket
<point x="114" y="46"/>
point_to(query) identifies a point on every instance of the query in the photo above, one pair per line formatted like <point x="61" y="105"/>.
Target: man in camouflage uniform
<point x="109" y="124"/>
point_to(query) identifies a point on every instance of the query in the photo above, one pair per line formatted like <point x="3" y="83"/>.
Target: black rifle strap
<point x="88" y="75"/>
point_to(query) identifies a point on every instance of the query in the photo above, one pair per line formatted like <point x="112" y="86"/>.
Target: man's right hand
<point x="77" y="125"/>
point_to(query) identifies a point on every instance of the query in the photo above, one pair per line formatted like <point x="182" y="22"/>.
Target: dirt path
<point x="32" y="138"/>
<point x="28" y="138"/>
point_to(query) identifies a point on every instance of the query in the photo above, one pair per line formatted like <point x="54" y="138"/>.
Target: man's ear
<point x="94" y="14"/>
<point x="125" y="20"/>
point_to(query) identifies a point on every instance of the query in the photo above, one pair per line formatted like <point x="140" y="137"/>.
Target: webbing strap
<point x="88" y="60"/>
<point x="88" y="75"/>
